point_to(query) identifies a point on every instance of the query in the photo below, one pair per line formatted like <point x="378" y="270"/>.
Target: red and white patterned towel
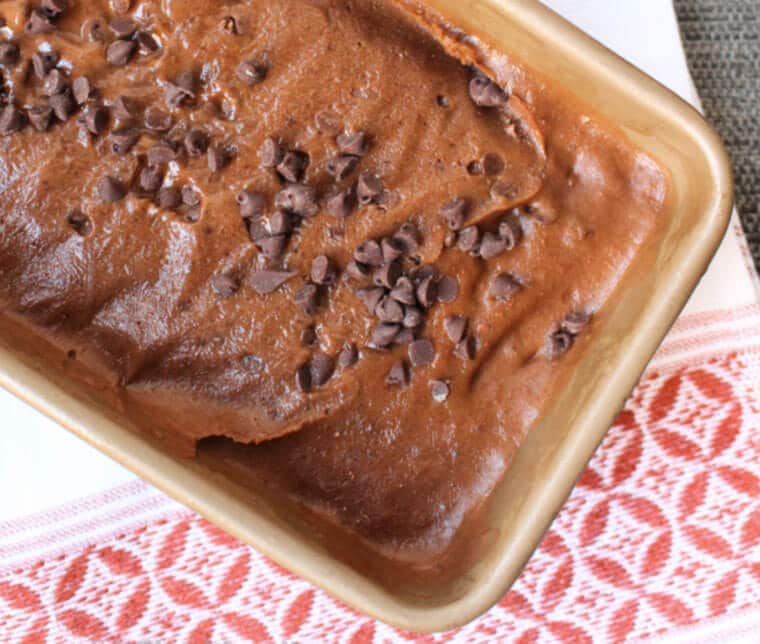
<point x="660" y="539"/>
<point x="662" y="532"/>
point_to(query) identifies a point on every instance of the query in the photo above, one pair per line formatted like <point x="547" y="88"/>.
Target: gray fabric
<point x="722" y="40"/>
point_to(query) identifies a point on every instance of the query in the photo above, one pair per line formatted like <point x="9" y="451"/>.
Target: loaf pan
<point x="558" y="447"/>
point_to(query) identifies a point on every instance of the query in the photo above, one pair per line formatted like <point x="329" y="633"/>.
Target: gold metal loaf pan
<point x="559" y="446"/>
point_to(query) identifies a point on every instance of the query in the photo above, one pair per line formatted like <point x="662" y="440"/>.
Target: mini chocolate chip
<point x="257" y="229"/>
<point x="392" y="248"/>
<point x="196" y="142"/>
<point x="38" y="23"/>
<point x="409" y="236"/>
<point x="122" y="27"/>
<point x="474" y="168"/>
<point x="146" y="42"/>
<point x="309" y="336"/>
<point x="81" y="89"/>
<point x="158" y="120"/>
<point x="307" y="298"/>
<point x="321" y="367"/>
<point x="575" y="322"/>
<point x="558" y="342"/>
<point x="369" y="252"/>
<point x="510" y="230"/>
<point x="126" y="108"/>
<point x="439" y="390"/>
<point x="110" y="189"/>
<point x="225" y="284"/>
<point x="322" y="270"/>
<point x="162" y="153"/>
<point x="273" y="246"/>
<point x="468" y="240"/>
<point x="342" y="166"/>
<point x="442" y="101"/>
<point x="54" y="8"/>
<point x="96" y="120"/>
<point x="271" y="153"/>
<point x="268" y="281"/>
<point x="356" y="144"/>
<point x="217" y="158"/>
<point x="81" y="223"/>
<point x="348" y="355"/>
<point x="370" y="297"/>
<point x="387" y="274"/>
<point x="389" y="310"/>
<point x="341" y="204"/>
<point x="421" y="353"/>
<point x="43" y="62"/>
<point x="493" y="164"/>
<point x="413" y="317"/>
<point x="298" y="198"/>
<point x="403" y="291"/>
<point x="455" y="327"/>
<point x="120" y="52"/>
<point x="40" y="116"/>
<point x="427" y="291"/>
<point x="150" y="179"/>
<point x="357" y="270"/>
<point x="455" y="213"/>
<point x="251" y="203"/>
<point x="280" y="223"/>
<point x="9" y="54"/>
<point x="293" y="166"/>
<point x="485" y="93"/>
<point x="504" y="287"/>
<point x="368" y="188"/>
<point x="190" y="196"/>
<point x="168" y="198"/>
<point x="229" y="24"/>
<point x="181" y="89"/>
<point x="398" y="375"/>
<point x="491" y="246"/>
<point x="384" y="334"/>
<point x="251" y="72"/>
<point x="465" y="348"/>
<point x="421" y="273"/>
<point x="303" y="378"/>
<point x="448" y="289"/>
<point x="63" y="105"/>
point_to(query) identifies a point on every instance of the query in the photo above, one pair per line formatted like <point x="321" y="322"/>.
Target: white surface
<point x="33" y="449"/>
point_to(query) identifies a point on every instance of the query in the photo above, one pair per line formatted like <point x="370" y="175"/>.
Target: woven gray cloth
<point x="722" y="40"/>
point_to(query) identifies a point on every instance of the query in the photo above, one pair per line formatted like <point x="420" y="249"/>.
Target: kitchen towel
<point x="660" y="539"/>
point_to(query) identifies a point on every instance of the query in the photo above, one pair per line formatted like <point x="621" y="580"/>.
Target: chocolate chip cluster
<point x="562" y="339"/>
<point x="398" y="293"/>
<point x="385" y="272"/>
<point x="65" y="94"/>
<point x="471" y="240"/>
